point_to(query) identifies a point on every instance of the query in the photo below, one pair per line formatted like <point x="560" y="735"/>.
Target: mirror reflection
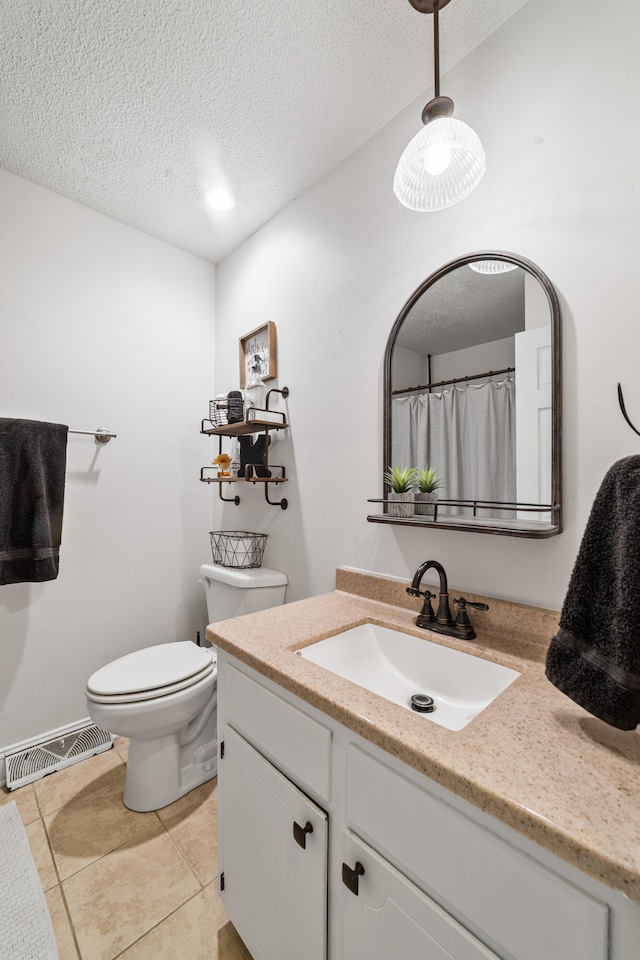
<point x="472" y="379"/>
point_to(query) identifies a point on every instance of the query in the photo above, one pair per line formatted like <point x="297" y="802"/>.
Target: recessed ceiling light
<point x="220" y="199"/>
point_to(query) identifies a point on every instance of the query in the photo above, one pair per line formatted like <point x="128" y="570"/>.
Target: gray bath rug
<point x="25" y="925"/>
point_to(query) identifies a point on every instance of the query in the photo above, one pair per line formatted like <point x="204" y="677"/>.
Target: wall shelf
<point x="258" y="422"/>
<point x="243" y="429"/>
<point x="242" y="479"/>
<point x="520" y="527"/>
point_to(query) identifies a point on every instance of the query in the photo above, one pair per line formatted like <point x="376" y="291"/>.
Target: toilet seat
<point x="151" y="673"/>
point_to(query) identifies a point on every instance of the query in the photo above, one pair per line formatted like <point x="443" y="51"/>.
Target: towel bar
<point x="100" y="435"/>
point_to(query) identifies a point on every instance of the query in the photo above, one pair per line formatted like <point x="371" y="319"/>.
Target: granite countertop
<point x="533" y="759"/>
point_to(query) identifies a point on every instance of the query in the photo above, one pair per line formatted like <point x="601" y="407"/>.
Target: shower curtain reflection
<point x="468" y="435"/>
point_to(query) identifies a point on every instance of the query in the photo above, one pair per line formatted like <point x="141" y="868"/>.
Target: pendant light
<point x="445" y="161"/>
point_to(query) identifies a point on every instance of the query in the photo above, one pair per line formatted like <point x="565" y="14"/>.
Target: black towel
<point x="33" y="459"/>
<point x="595" y="656"/>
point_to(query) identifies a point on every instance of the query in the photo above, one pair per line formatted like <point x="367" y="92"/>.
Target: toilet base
<point x="155" y="776"/>
<point x="171" y="723"/>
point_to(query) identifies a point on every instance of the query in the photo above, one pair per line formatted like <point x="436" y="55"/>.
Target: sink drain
<point x="422" y="703"/>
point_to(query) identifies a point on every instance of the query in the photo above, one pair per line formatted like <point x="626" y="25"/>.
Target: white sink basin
<point x="397" y="665"/>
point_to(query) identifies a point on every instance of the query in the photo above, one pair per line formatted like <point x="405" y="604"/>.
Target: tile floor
<point x="120" y="884"/>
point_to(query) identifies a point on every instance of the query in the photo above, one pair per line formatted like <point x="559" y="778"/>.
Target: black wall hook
<point x="624" y="411"/>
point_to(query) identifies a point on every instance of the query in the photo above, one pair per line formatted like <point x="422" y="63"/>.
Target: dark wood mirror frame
<point x="487" y="526"/>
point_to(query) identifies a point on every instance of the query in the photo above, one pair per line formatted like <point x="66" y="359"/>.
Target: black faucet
<point x="442" y="621"/>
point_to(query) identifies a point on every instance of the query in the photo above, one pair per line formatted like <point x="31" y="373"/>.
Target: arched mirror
<point x="472" y="391"/>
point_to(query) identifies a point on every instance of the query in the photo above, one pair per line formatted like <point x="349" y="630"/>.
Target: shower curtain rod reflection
<point x="444" y="383"/>
<point x="100" y="435"/>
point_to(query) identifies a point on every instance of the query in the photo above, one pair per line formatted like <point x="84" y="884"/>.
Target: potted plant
<point x="402" y="481"/>
<point x="426" y="485"/>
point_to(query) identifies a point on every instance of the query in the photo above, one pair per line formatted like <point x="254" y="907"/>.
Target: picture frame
<point x="259" y="342"/>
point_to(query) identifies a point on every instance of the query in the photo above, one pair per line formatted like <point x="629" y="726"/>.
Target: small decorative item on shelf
<point x="218" y="410"/>
<point x="402" y="481"/>
<point x="237" y="548"/>
<point x="223" y="463"/>
<point x="235" y="406"/>
<point x="235" y="458"/>
<point x="255" y="392"/>
<point x="254" y="454"/>
<point x="427" y="483"/>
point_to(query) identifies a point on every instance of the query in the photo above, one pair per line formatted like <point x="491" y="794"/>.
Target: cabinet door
<point x="390" y="917"/>
<point x="275" y="889"/>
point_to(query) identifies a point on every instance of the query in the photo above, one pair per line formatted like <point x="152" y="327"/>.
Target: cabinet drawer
<point x="521" y="906"/>
<point x="292" y="740"/>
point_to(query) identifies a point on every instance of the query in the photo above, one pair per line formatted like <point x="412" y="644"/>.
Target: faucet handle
<point x="462" y="619"/>
<point x="462" y="603"/>
<point x="414" y="592"/>
<point x="463" y="624"/>
<point x="426" y="615"/>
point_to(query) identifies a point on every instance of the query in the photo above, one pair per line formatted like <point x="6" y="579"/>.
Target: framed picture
<point x="260" y="343"/>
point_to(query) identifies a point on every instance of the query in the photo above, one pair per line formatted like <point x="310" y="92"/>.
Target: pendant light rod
<point x="436" y="49"/>
<point x="434" y="7"/>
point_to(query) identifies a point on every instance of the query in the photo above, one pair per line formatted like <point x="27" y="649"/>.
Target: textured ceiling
<point x="464" y="309"/>
<point x="136" y="107"/>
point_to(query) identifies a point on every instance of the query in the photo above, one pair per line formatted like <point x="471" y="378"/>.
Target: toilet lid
<point x="153" y="670"/>
<point x="209" y="674"/>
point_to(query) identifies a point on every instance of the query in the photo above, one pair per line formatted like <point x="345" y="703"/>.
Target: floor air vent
<point x="38" y="760"/>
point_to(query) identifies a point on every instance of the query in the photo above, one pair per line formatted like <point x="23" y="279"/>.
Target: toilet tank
<point x="232" y="592"/>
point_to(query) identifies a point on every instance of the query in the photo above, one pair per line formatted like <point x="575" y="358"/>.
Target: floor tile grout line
<point x="104" y="855"/>
<point x="71" y="924"/>
<point x="146" y="829"/>
<point x="55" y="867"/>
<point x="51" y="851"/>
<point x="50" y="844"/>
<point x="175" y="910"/>
<point x="181" y="854"/>
<point x="93" y="862"/>
<point x="35" y="794"/>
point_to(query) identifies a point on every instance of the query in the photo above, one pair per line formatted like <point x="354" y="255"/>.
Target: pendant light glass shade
<point x="443" y="163"/>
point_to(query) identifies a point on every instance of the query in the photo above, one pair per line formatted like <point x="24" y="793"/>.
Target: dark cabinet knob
<point x="300" y="833"/>
<point x="350" y="877"/>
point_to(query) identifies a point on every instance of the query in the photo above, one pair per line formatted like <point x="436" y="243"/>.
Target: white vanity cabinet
<point x="398" y="866"/>
<point x="512" y="902"/>
<point x="275" y="857"/>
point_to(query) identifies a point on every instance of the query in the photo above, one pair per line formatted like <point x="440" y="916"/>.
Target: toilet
<point x="164" y="697"/>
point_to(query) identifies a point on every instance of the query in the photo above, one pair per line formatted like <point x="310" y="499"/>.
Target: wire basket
<point x="237" y="548"/>
<point x="218" y="411"/>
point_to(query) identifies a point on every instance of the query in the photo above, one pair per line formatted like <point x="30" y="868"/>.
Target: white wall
<point x="408" y="368"/>
<point x="495" y="355"/>
<point x="102" y="326"/>
<point x="553" y="94"/>
<point x="536" y="310"/>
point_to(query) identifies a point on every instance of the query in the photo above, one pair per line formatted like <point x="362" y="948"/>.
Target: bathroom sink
<point x="397" y="666"/>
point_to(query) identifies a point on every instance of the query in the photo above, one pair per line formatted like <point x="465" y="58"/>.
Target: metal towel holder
<point x="100" y="435"/>
<point x="624" y="410"/>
